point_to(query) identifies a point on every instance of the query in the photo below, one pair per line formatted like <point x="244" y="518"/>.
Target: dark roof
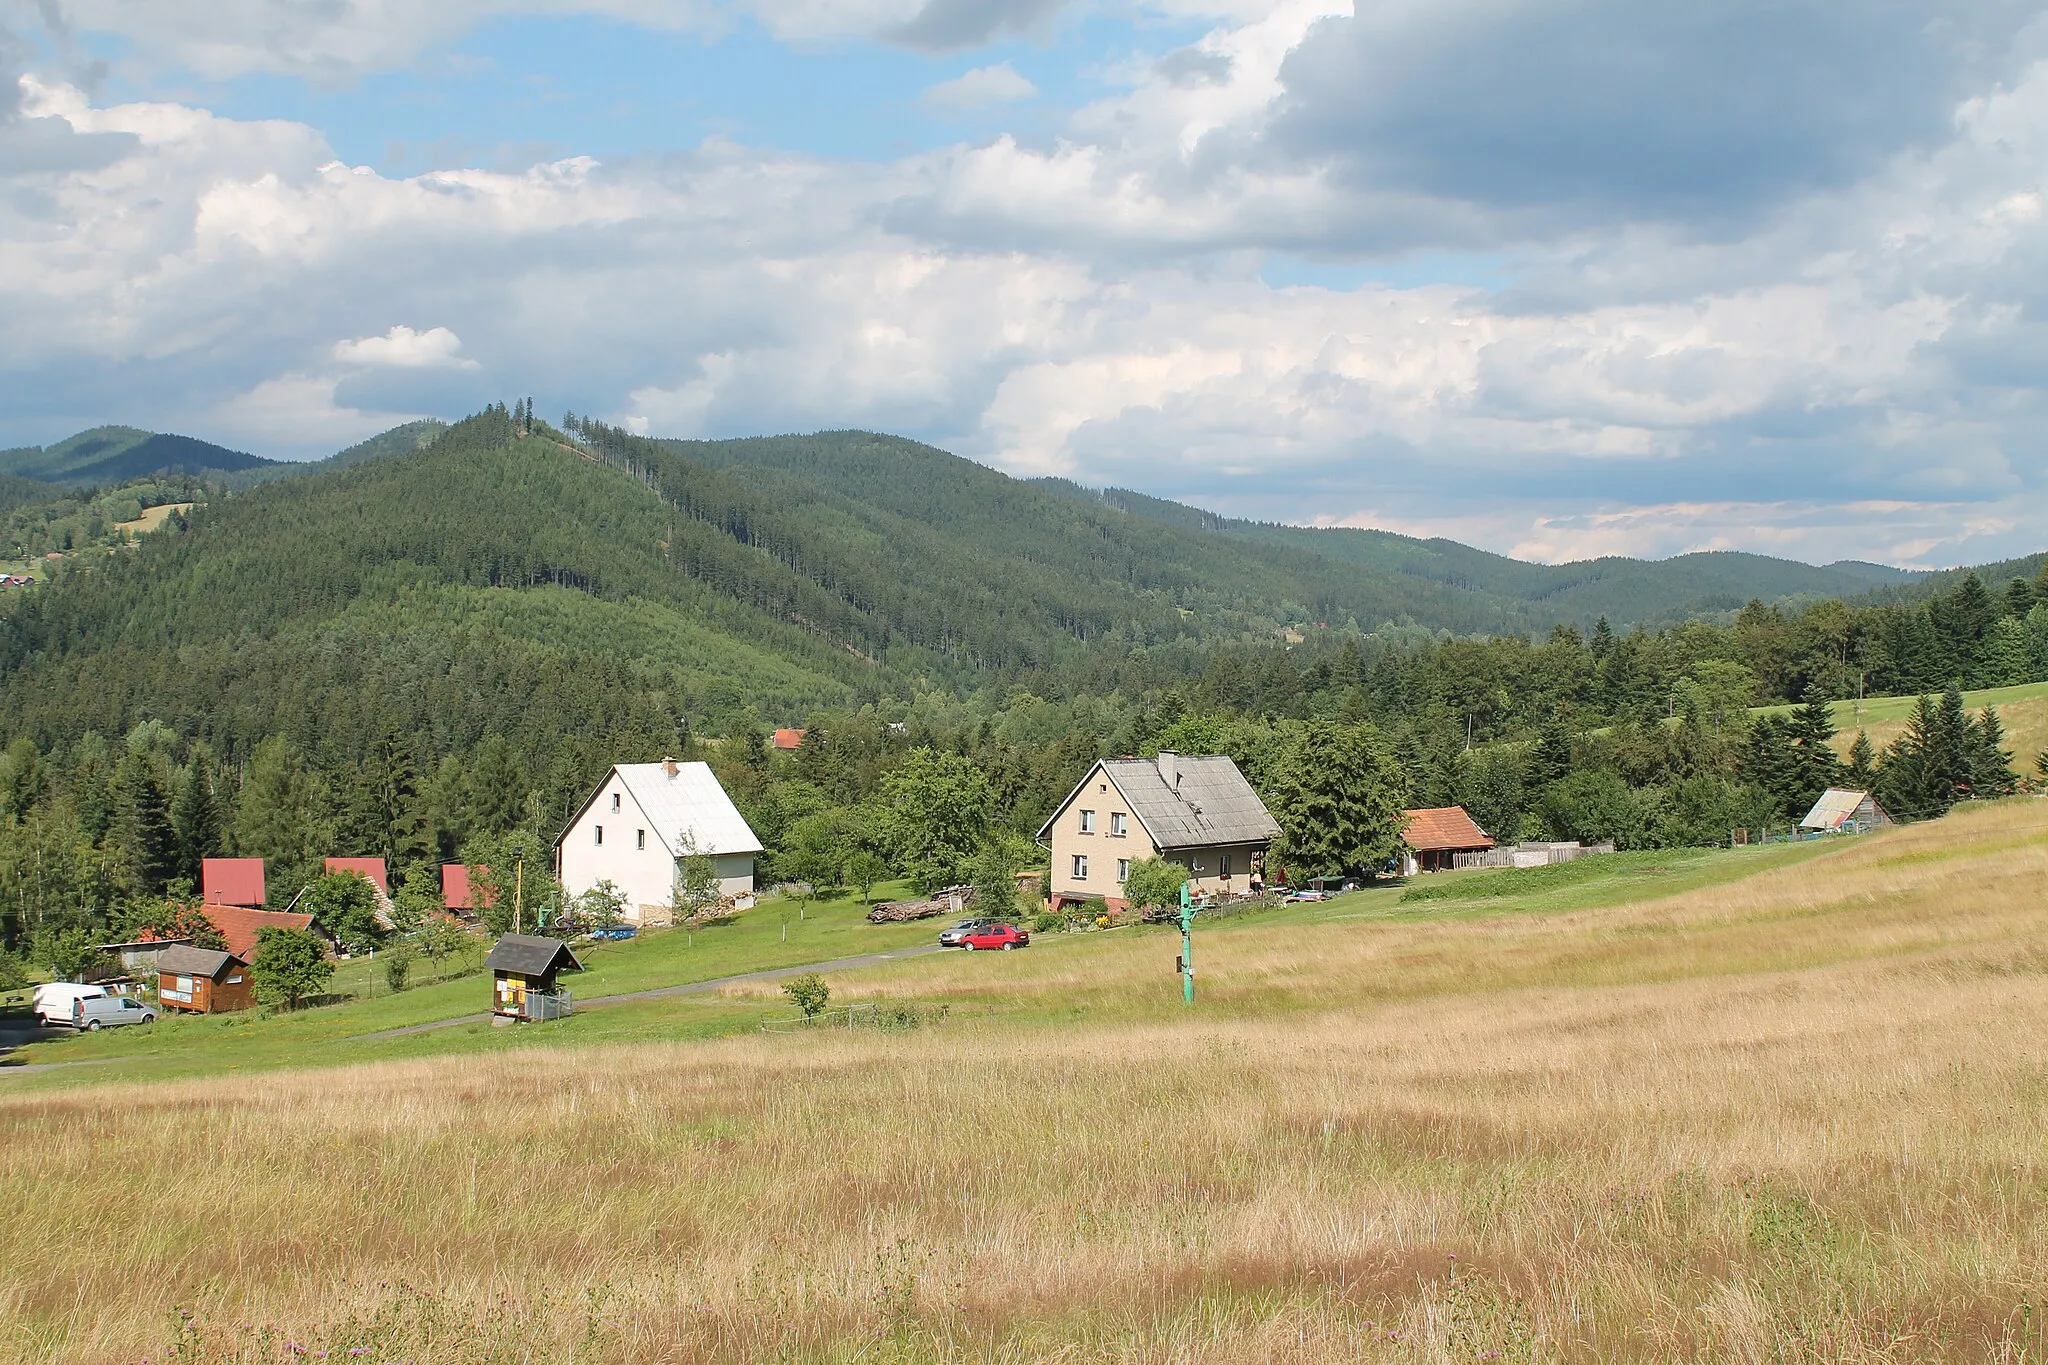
<point x="1444" y="827"/>
<point x="188" y="961"/>
<point x="531" y="955"/>
<point x="1187" y="800"/>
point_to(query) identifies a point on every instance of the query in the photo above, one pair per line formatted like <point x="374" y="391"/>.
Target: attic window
<point x="599" y="830"/>
<point x="640" y="838"/>
<point x="615" y="801"/>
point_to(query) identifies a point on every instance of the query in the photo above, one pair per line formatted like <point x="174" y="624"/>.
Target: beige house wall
<point x="1102" y="849"/>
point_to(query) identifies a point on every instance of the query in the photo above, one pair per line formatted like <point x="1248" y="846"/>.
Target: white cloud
<point x="1861" y="374"/>
<point x="985" y="87"/>
<point x="402" y="347"/>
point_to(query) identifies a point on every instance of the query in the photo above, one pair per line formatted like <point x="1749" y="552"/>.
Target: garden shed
<point x="203" y="981"/>
<point x="523" y="971"/>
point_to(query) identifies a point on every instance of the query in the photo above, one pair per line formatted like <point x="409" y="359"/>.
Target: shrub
<point x="808" y="993"/>
<point x="1046" y="922"/>
<point x="398" y="966"/>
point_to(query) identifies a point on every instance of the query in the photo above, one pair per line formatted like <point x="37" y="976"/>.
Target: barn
<point x="1843" y="810"/>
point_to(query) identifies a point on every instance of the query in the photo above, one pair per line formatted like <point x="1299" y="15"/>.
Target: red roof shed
<point x="371" y="869"/>
<point x="788" y="739"/>
<point x="1438" y="834"/>
<point x="455" y="894"/>
<point x="231" y="881"/>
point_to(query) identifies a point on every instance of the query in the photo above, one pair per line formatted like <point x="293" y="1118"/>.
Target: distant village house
<point x="1843" y="810"/>
<point x="639" y="825"/>
<point x="1437" y="835"/>
<point x="1195" y="809"/>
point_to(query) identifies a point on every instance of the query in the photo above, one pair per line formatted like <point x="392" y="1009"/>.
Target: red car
<point x="1004" y="936"/>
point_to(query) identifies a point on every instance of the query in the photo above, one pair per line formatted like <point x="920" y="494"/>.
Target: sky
<point x="1559" y="279"/>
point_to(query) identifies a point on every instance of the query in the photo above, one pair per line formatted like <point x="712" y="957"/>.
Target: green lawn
<point x="770" y="935"/>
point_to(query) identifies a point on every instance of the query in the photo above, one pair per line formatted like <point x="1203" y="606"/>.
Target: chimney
<point x="1169" y="769"/>
<point x="668" y="765"/>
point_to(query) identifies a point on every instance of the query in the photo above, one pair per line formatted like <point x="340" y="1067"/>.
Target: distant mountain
<point x="1625" y="591"/>
<point x="116" y="454"/>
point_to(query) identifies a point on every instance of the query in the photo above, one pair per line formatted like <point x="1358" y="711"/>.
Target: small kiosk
<point x="523" y="970"/>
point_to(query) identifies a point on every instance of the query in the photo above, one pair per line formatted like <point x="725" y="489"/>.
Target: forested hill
<point x="1623" y="590"/>
<point x="108" y="455"/>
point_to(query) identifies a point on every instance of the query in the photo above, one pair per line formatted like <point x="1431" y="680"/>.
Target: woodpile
<point x="952" y="901"/>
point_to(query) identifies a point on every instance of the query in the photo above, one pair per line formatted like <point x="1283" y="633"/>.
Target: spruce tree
<point x="1951" y="749"/>
<point x="196" y="817"/>
<point x="2019" y="598"/>
<point x="1910" y="783"/>
<point x="1862" y="770"/>
<point x="147" y="835"/>
<point x="1810" y="731"/>
<point x="1991" y="772"/>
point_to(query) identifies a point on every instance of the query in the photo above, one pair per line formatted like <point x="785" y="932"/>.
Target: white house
<point x="641" y="821"/>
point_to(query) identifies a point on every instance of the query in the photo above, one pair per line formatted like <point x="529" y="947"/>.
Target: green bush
<point x="1046" y="922"/>
<point x="808" y="993"/>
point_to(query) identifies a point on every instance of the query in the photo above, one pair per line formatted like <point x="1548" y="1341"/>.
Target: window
<point x="1080" y="867"/>
<point x="1225" y="865"/>
<point x="615" y="801"/>
<point x="1123" y="869"/>
<point x="639" y="838"/>
<point x="599" y="829"/>
<point x="1116" y="824"/>
<point x="1087" y="822"/>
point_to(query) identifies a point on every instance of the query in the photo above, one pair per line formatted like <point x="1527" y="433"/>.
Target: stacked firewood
<point x="952" y="901"/>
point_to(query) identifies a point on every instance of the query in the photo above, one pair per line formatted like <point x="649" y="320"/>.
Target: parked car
<point x="1003" y="936"/>
<point x="95" y="1012"/>
<point x="53" y="1000"/>
<point x="951" y="938"/>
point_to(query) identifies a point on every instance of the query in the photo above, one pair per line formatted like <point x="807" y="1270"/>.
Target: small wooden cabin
<point x="203" y="981"/>
<point x="523" y="971"/>
<point x="1435" y="837"/>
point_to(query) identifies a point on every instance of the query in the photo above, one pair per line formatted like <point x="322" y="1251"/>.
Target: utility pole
<point x="1187" y="946"/>
<point x="518" y="893"/>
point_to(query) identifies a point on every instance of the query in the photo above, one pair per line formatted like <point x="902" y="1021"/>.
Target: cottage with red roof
<point x="1438" y="835"/>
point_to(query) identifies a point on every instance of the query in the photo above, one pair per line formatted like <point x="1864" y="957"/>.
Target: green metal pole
<point x="1187" y="946"/>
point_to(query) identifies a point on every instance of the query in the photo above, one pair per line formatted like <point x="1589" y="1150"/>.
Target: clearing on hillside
<point x="1787" y="1110"/>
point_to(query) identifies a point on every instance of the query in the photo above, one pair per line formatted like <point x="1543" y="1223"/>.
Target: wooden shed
<point x="203" y="981"/>
<point x="523" y="971"/>
<point x="1435" y="837"/>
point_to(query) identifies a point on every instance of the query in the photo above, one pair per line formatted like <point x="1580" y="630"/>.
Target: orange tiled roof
<point x="238" y="925"/>
<point x="1445" y="827"/>
<point x="787" y="739"/>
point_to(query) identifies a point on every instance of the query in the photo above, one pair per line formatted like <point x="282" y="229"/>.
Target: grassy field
<point x="2023" y="710"/>
<point x="1764" y="1104"/>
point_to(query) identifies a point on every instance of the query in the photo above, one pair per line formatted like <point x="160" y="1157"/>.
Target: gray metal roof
<point x="1189" y="800"/>
<point x="531" y="955"/>
<point x="688" y="808"/>
<point x="185" y="960"/>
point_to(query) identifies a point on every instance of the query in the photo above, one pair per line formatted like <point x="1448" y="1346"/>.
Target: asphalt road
<point x="837" y="964"/>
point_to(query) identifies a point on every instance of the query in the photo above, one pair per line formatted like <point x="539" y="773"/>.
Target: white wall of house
<point x="613" y="840"/>
<point x="1094" y="840"/>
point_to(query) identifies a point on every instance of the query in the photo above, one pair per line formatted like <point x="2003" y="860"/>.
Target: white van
<point x="94" y="1013"/>
<point x="54" y="999"/>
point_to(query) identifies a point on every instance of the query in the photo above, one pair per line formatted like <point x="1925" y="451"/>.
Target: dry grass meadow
<point x="1798" y="1115"/>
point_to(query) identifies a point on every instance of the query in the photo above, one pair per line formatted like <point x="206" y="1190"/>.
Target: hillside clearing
<point x="1790" y="1116"/>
